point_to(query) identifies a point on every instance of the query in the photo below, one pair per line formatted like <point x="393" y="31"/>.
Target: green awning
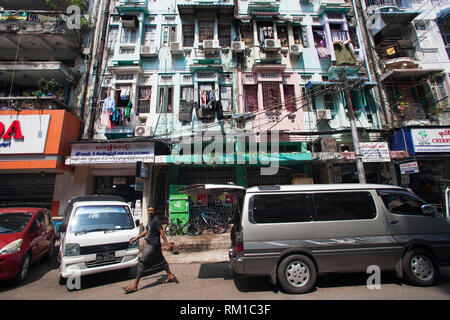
<point x="235" y="158"/>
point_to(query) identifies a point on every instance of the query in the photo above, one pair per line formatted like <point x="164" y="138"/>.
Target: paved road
<point x="213" y="281"/>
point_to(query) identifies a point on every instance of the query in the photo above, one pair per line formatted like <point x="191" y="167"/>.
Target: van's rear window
<point x="280" y="208"/>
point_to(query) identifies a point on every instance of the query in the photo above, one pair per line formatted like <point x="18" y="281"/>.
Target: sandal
<point x="129" y="290"/>
<point x="168" y="279"/>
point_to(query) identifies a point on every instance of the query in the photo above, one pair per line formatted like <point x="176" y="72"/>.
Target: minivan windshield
<point x="101" y="218"/>
<point x="13" y="222"/>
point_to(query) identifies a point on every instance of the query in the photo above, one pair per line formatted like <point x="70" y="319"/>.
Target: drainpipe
<point x="366" y="36"/>
<point x="96" y="62"/>
<point x="363" y="48"/>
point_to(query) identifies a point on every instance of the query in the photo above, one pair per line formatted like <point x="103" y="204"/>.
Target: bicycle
<point x="213" y="221"/>
<point x="175" y="228"/>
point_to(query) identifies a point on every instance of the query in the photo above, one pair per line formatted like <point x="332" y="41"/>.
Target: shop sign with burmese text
<point x="111" y="153"/>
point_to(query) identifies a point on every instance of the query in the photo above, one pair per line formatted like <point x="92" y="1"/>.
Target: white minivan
<point x="95" y="236"/>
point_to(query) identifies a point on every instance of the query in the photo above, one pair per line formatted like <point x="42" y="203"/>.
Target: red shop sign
<point x="13" y="131"/>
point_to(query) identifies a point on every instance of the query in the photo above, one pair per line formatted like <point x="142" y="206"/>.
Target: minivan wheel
<point x="297" y="274"/>
<point x="420" y="268"/>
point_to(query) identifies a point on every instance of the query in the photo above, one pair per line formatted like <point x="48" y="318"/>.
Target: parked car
<point x="26" y="235"/>
<point x="293" y="233"/>
<point x="95" y="236"/>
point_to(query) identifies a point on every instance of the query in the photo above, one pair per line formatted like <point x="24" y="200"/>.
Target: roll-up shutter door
<point x="30" y="190"/>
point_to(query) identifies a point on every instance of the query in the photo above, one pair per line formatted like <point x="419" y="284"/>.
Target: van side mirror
<point x="137" y="222"/>
<point x="428" y="210"/>
<point x="62" y="228"/>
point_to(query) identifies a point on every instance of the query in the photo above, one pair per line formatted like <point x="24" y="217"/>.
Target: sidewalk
<point x="205" y="248"/>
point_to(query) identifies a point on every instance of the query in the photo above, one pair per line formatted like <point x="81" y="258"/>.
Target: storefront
<point x="114" y="168"/>
<point x="427" y="170"/>
<point x="33" y="145"/>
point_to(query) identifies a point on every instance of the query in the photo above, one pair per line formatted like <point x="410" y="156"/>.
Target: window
<point x="271" y="95"/>
<point x="354" y="205"/>
<point x="328" y="101"/>
<point x="280" y="208"/>
<point x="126" y="51"/>
<point x="129" y="35"/>
<point x="188" y="35"/>
<point x="145" y="95"/>
<point x="297" y="30"/>
<point x="251" y="98"/>
<point x="337" y="33"/>
<point x="149" y="35"/>
<point x="187" y="93"/>
<point x="401" y="202"/>
<point x="247" y="34"/>
<point x="205" y="30"/>
<point x="224" y="35"/>
<point x="283" y="35"/>
<point x="13" y="222"/>
<point x="165" y="104"/>
<point x="89" y="218"/>
<point x="113" y="36"/>
<point x="289" y="98"/>
<point x="265" y="31"/>
<point x="226" y="98"/>
<point x="169" y="34"/>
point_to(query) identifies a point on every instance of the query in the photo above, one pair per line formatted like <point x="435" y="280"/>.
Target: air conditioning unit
<point x="323" y="114"/>
<point x="237" y="46"/>
<point x="295" y="49"/>
<point x="176" y="48"/>
<point x="272" y="44"/>
<point x="211" y="44"/>
<point x="149" y="51"/>
<point x="141" y="130"/>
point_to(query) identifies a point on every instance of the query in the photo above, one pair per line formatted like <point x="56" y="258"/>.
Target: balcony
<point x="399" y="54"/>
<point x="389" y="16"/>
<point x="219" y="6"/>
<point x="132" y="6"/>
<point x="340" y="6"/>
<point x="263" y="7"/>
<point x="409" y="114"/>
<point x="42" y="34"/>
<point x="29" y="103"/>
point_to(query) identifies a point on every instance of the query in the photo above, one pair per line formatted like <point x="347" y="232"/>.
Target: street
<point x="213" y="281"/>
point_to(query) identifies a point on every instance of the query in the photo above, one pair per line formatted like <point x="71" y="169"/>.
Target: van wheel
<point x="297" y="274"/>
<point x="420" y="268"/>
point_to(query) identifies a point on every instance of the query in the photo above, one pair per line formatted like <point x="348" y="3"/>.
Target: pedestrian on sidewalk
<point x="152" y="259"/>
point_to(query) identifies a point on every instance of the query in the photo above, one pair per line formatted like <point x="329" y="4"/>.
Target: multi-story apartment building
<point x="243" y="71"/>
<point x="409" y="54"/>
<point x="41" y="88"/>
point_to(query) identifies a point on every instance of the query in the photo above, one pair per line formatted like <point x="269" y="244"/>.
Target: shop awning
<point x="233" y="159"/>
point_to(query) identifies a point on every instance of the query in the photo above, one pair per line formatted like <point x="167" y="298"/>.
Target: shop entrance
<point x="124" y="186"/>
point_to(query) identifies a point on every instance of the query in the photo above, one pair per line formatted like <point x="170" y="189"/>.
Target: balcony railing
<point x="32" y="103"/>
<point x="410" y="112"/>
<point x="396" y="3"/>
<point x="396" y="50"/>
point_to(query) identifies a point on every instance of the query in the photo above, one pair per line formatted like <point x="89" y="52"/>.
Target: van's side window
<point x="344" y="206"/>
<point x="279" y="208"/>
<point x="401" y="203"/>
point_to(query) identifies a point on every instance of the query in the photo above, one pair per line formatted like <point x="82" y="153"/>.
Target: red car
<point x="26" y="235"/>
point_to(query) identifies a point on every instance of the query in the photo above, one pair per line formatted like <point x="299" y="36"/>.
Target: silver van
<point x="293" y="233"/>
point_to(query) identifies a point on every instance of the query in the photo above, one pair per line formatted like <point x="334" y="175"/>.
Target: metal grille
<point x="283" y="177"/>
<point x="104" y="248"/>
<point x="218" y="175"/>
